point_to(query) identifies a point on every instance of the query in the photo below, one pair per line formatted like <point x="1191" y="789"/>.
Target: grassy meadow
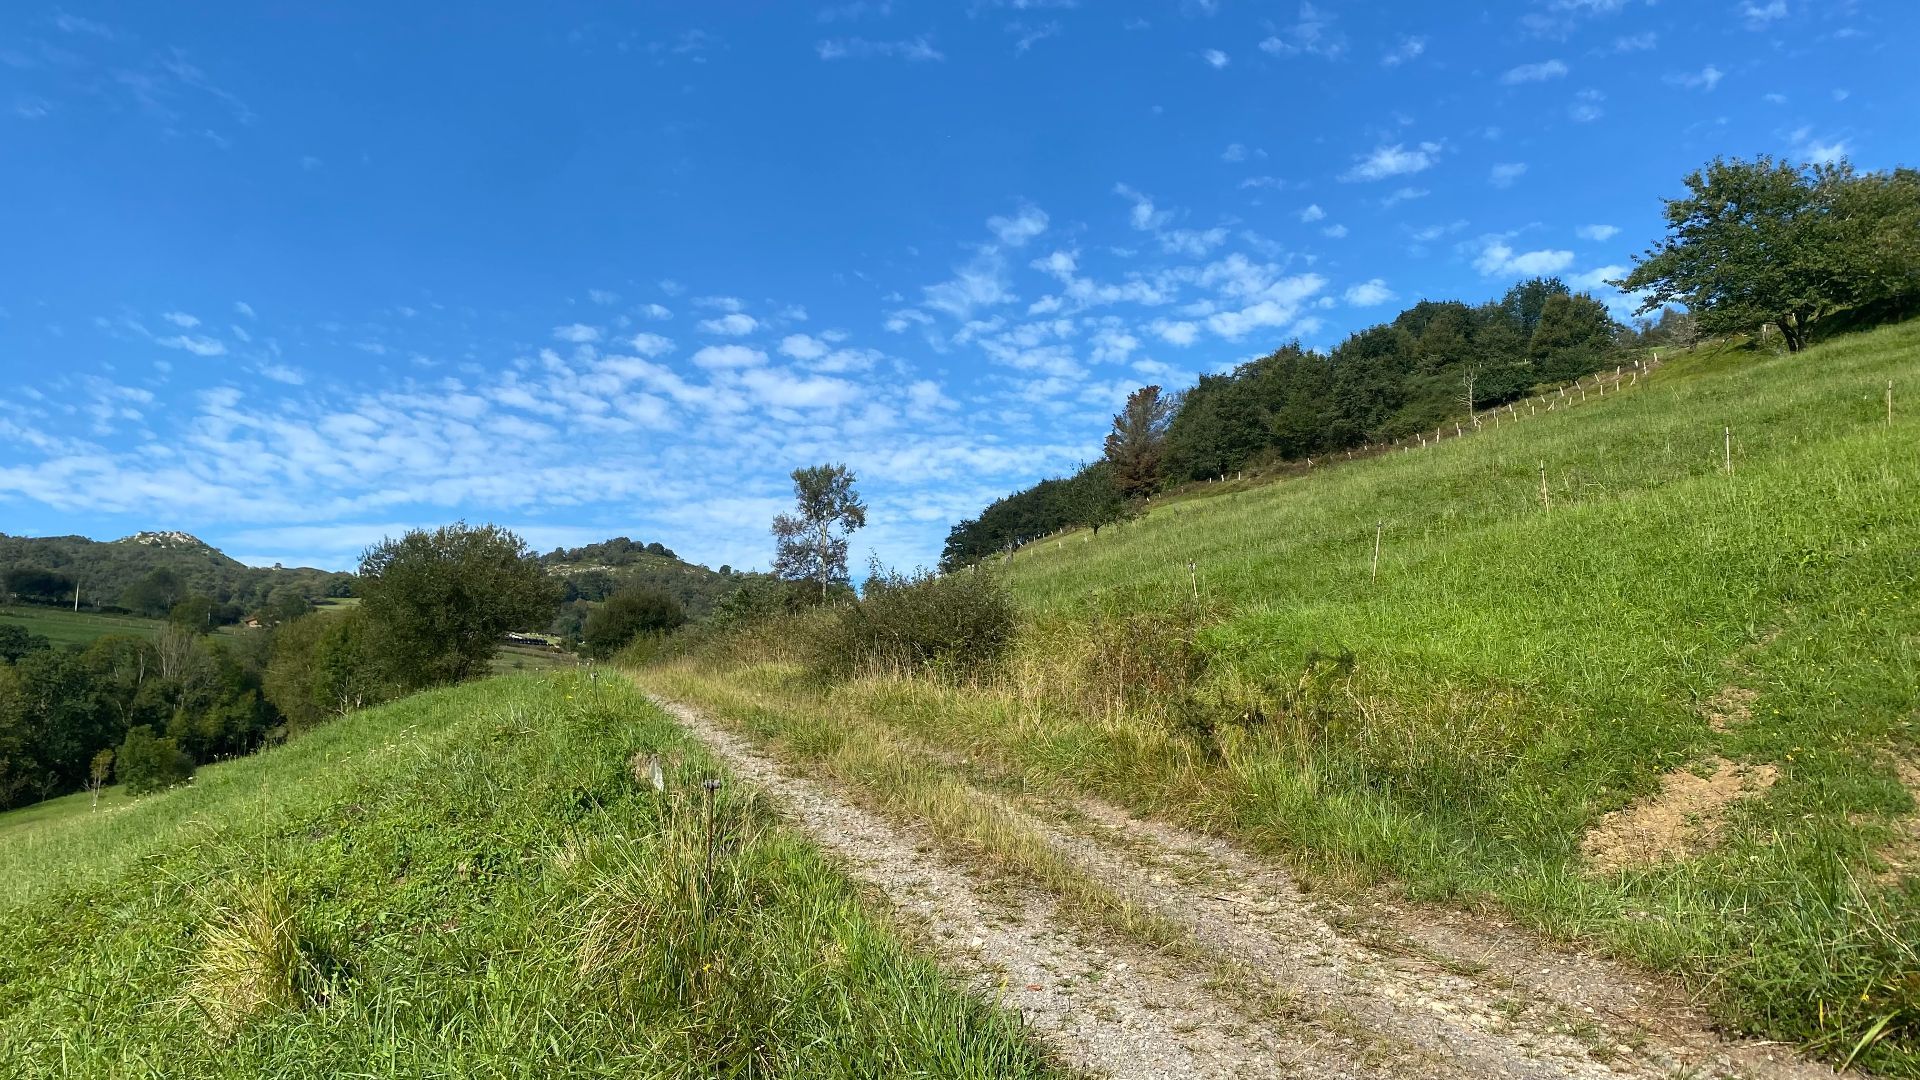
<point x="478" y="881"/>
<point x="1519" y="668"/>
<point x="65" y="627"/>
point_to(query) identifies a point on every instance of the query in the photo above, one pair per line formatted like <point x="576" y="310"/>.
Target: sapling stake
<point x="1726" y="451"/>
<point x="1193" y="574"/>
<point x="1377" y="531"/>
<point x="1545" y="501"/>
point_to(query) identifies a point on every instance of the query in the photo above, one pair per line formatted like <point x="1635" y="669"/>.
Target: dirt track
<point x="1273" y="983"/>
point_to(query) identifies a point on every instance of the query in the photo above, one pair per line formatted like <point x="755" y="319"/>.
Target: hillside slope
<point x="1666" y="708"/>
<point x="106" y="569"/>
<point x="479" y="881"/>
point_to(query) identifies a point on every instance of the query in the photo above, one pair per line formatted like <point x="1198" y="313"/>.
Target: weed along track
<point x="1135" y="948"/>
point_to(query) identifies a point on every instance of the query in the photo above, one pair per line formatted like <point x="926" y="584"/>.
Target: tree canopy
<point x="443" y="598"/>
<point x="1768" y="243"/>
<point x="810" y="544"/>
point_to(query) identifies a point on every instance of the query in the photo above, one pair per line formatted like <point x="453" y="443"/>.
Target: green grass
<point x="1517" y="673"/>
<point x="64" y="627"/>
<point x="49" y="811"/>
<point x="467" y="882"/>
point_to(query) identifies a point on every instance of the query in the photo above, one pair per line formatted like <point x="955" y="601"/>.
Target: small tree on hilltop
<point x="811" y="543"/>
<point x="1094" y="501"/>
<point x="440" y="601"/>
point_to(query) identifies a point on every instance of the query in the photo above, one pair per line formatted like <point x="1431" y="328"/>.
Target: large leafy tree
<point x="810" y="544"/>
<point x="1770" y="243"/>
<point x="1138" y="440"/>
<point x="441" y="600"/>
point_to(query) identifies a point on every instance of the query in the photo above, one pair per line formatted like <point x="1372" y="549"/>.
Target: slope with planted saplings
<point x="1637" y="675"/>
<point x="512" y="877"/>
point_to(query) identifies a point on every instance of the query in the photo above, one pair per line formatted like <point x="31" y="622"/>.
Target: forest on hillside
<point x="1767" y="248"/>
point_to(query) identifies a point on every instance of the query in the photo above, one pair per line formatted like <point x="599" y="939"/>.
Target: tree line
<point x="1754" y="247"/>
<point x="433" y="607"/>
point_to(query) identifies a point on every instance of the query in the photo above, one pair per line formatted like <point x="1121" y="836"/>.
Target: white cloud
<point x="1586" y="106"/>
<point x="1368" y="294"/>
<point x="1409" y="48"/>
<point x="577" y="333"/>
<point x="656" y="312"/>
<point x="1143" y="217"/>
<point x="1504" y="174"/>
<point x="243" y="308"/>
<point x="1404" y="194"/>
<point x="1233" y="153"/>
<point x="804" y="347"/>
<point x="1596" y="279"/>
<point x="913" y="49"/>
<point x="1312" y="34"/>
<point x="1498" y="257"/>
<point x="181" y="319"/>
<point x="1312" y="213"/>
<point x="1532" y="73"/>
<point x="1705" y="79"/>
<point x="195" y="344"/>
<point x="281" y="373"/>
<point x="1394" y="160"/>
<point x="732" y="324"/>
<point x="1175" y="333"/>
<point x="1760" y="16"/>
<point x="981" y="282"/>
<point x="1600" y="233"/>
<point x="1028" y="222"/>
<point x="650" y="344"/>
<point x="1336" y="232"/>
<point x="1215" y="58"/>
<point x="1636" y="42"/>
<point x="729" y="356"/>
<point x="786" y="389"/>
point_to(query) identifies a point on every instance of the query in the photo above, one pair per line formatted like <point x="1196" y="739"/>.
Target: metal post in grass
<point x="1889" y="408"/>
<point x="1726" y="449"/>
<point x="1545" y="501"/>
<point x="1193" y="575"/>
<point x="712" y="786"/>
<point x="1378" y="530"/>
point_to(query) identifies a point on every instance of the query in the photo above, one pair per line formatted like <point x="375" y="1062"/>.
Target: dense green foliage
<point x="628" y="614"/>
<point x="46" y="569"/>
<point x="442" y="599"/>
<point x="475" y="881"/>
<point x="591" y="574"/>
<point x="1434" y="364"/>
<point x="147" y="762"/>
<point x="1768" y="243"/>
<point x="954" y="624"/>
<point x="328" y="664"/>
<point x="61" y="707"/>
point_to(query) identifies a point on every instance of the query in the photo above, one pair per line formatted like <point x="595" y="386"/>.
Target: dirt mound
<point x="1685" y="817"/>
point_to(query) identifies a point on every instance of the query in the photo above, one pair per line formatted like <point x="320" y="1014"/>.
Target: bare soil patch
<point x="1684" y="818"/>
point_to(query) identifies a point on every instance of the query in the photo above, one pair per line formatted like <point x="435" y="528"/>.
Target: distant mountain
<point x="45" y="568"/>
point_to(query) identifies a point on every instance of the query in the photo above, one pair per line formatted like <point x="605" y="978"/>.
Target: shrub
<point x="956" y="624"/>
<point x="147" y="762"/>
<point x="629" y="614"/>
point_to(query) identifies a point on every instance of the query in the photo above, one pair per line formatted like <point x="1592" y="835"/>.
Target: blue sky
<point x="293" y="277"/>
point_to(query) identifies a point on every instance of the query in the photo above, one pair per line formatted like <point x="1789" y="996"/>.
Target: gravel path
<point x="1371" y="989"/>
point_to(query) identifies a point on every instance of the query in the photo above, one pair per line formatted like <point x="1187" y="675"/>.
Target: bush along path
<point x="1136" y="949"/>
